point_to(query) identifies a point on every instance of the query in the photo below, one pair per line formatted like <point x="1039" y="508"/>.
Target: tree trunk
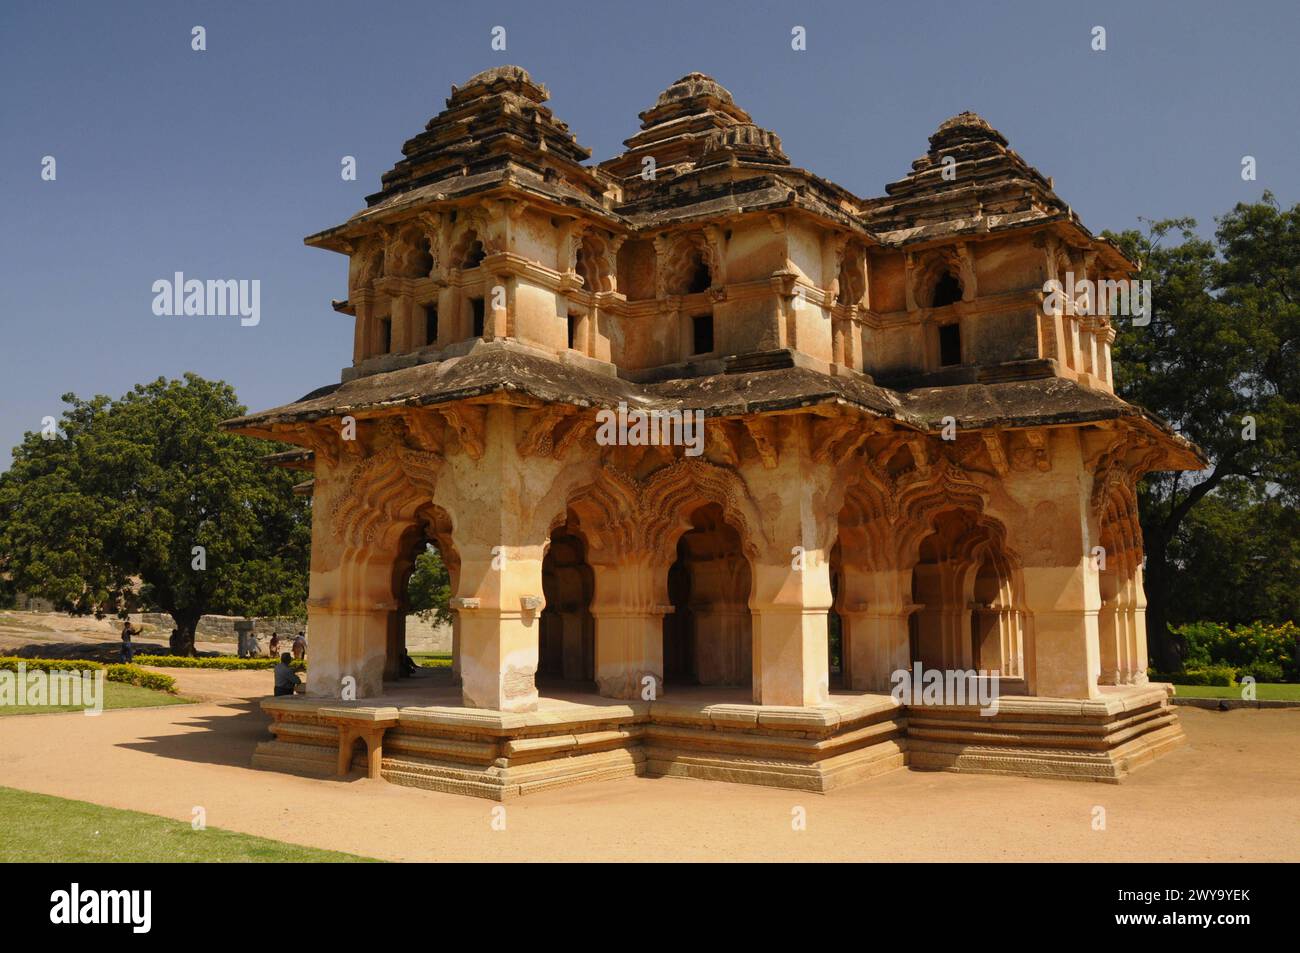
<point x="1162" y="645"/>
<point x="182" y="640"/>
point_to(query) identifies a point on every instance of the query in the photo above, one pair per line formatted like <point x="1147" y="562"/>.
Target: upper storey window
<point x="469" y="251"/>
<point x="687" y="269"/>
<point x="593" y="265"/>
<point x="699" y="279"/>
<point x="950" y="345"/>
<point x="474" y="256"/>
<point x="947" y="290"/>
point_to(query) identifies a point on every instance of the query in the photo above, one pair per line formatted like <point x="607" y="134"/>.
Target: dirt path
<point x="54" y="635"/>
<point x="1233" y="794"/>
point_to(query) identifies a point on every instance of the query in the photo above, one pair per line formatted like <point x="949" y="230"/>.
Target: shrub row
<point x="1268" y="653"/>
<point x="1223" y="675"/>
<point x="226" y="662"/>
<point x="126" y="674"/>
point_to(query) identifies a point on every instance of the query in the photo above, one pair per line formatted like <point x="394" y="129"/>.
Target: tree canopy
<point x="429" y="589"/>
<point x="144" y="502"/>
<point x="1219" y="361"/>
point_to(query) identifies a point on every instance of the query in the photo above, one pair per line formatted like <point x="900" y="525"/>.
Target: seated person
<point x="286" y="680"/>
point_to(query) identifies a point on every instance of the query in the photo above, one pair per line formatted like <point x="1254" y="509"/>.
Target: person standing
<point x="273" y="647"/>
<point x="299" y="646"/>
<point x="128" y="650"/>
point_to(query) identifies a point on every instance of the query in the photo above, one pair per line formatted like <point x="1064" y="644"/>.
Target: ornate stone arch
<point x="473" y="240"/>
<point x="413" y="252"/>
<point x="383" y="491"/>
<point x="370" y="258"/>
<point x="627" y="515"/>
<point x="851" y="277"/>
<point x="592" y="262"/>
<point x="951" y="260"/>
<point x="683" y="266"/>
<point x="920" y="500"/>
<point x="672" y="493"/>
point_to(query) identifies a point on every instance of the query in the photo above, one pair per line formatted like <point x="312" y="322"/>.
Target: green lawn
<point x="40" y="828"/>
<point x="116" y="695"/>
<point x="430" y="660"/>
<point x="1265" y="691"/>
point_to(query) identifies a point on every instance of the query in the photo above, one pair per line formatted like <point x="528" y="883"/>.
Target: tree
<point x="1218" y="361"/>
<point x="1236" y="558"/>
<point x="144" y="501"/>
<point x="429" y="589"/>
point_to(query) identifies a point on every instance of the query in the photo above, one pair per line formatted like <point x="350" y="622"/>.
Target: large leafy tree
<point x="144" y="501"/>
<point x="429" y="589"/>
<point x="1219" y="361"/>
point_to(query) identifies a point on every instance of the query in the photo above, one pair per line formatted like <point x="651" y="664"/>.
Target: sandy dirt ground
<point x="53" y="635"/>
<point x="1232" y="794"/>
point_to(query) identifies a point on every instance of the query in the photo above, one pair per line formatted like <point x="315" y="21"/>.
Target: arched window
<point x="474" y="255"/>
<point x="700" y="278"/>
<point x="947" y="290"/>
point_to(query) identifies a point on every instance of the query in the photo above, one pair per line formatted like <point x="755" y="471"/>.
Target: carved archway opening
<point x="708" y="637"/>
<point x="966" y="592"/>
<point x="852" y="278"/>
<point x="414" y="255"/>
<point x="593" y="264"/>
<point x="835" y="629"/>
<point x="688" y="269"/>
<point x="1121" y="620"/>
<point x="947" y="290"/>
<point x="469" y="252"/>
<point x="425" y="573"/>
<point x="567" y="634"/>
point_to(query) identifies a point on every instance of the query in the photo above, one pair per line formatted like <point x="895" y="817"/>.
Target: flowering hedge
<point x="1269" y="653"/>
<point x="127" y="674"/>
<point x="226" y="662"/>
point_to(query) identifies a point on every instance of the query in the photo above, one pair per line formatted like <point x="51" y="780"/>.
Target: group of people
<point x="286" y="679"/>
<point x="249" y="647"/>
<point x="298" y="648"/>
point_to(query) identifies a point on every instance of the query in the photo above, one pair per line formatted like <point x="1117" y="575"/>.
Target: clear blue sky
<point x="218" y="163"/>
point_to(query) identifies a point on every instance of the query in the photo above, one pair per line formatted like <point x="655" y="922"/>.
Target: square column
<point x="875" y="614"/>
<point x="629" y="613"/>
<point x="1064" y="604"/>
<point x="1054" y="534"/>
<point x="791" y="638"/>
<point x="499" y="626"/>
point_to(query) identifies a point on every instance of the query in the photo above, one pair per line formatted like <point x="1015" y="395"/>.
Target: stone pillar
<point x="790" y="592"/>
<point x="1110" y="627"/>
<point x="1063" y="602"/>
<point x="877" y="606"/>
<point x="455" y="647"/>
<point x="629" y="608"/>
<point x="790" y="631"/>
<point x="500" y="541"/>
<point x="500" y="608"/>
<point x="1051" y="533"/>
<point x="361" y="329"/>
<point x="349" y="604"/>
<point x="496" y="319"/>
<point x="403" y="327"/>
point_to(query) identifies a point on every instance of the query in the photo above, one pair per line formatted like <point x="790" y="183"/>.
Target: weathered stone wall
<point x="220" y="627"/>
<point x="421" y="636"/>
